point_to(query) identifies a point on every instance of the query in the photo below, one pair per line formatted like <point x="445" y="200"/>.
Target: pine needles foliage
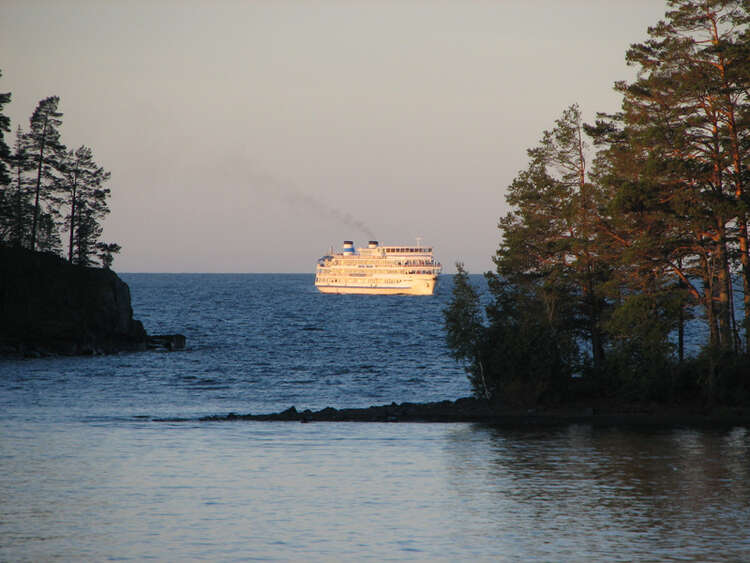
<point x="622" y="232"/>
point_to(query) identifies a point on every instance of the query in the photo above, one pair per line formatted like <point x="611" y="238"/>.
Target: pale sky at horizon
<point x="252" y="136"/>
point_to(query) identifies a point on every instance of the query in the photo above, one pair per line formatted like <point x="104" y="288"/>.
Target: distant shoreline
<point x="478" y="411"/>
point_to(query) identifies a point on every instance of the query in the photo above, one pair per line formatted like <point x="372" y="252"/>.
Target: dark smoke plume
<point x="295" y="197"/>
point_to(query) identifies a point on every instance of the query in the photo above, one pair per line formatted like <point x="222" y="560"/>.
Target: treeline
<point x="622" y="230"/>
<point x="52" y="198"/>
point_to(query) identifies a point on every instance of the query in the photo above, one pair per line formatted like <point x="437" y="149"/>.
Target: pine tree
<point x="46" y="146"/>
<point x="106" y="252"/>
<point x="646" y="240"/>
<point x="19" y="211"/>
<point x="4" y="149"/>
<point x="677" y="181"/>
<point x="547" y="291"/>
<point x="465" y="331"/>
<point x="82" y="184"/>
<point x="550" y="236"/>
<point x="88" y="226"/>
<point x="712" y="58"/>
<point x="5" y="178"/>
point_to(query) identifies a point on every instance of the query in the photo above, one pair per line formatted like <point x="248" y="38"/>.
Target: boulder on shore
<point x="49" y="306"/>
<point x="168" y="342"/>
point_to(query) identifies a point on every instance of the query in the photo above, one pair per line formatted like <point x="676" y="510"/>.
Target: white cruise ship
<point x="378" y="270"/>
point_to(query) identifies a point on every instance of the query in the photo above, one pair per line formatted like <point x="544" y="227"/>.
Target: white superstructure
<point x="378" y="270"/>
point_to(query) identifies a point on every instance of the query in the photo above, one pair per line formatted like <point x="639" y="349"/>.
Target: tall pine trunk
<point x="38" y="186"/>
<point x="73" y="209"/>
<point x="19" y="227"/>
<point x="708" y="292"/>
<point x="72" y="226"/>
<point x="708" y="301"/>
<point x="739" y="192"/>
<point x="723" y="278"/>
<point x="745" y="259"/>
<point x="742" y="219"/>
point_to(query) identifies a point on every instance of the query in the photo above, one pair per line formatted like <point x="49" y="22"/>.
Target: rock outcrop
<point x="169" y="342"/>
<point x="49" y="306"/>
<point x="470" y="409"/>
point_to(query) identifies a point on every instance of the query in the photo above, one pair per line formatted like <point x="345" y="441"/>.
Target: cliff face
<point x="48" y="306"/>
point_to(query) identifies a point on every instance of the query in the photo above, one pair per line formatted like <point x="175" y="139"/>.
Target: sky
<point x="251" y="136"/>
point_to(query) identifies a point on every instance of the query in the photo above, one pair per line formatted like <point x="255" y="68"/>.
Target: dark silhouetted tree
<point x="19" y="211"/>
<point x="5" y="178"/>
<point x="4" y="149"/>
<point x="82" y="187"/>
<point x="466" y="332"/>
<point x="550" y="235"/>
<point x="106" y="252"/>
<point x="46" y="147"/>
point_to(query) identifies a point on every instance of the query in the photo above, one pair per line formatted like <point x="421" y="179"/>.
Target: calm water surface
<point x="86" y="473"/>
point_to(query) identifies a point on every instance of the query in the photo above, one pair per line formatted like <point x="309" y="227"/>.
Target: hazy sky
<point x="250" y="136"/>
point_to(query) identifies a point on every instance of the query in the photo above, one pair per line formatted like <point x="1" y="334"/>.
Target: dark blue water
<point x="87" y="473"/>
<point x="255" y="343"/>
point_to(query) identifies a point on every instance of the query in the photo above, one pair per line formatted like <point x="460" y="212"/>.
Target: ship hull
<point x="415" y="287"/>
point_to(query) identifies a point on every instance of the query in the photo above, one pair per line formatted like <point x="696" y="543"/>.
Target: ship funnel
<point x="348" y="247"/>
<point x="372" y="244"/>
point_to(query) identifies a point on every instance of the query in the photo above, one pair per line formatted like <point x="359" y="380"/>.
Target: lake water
<point x="88" y="473"/>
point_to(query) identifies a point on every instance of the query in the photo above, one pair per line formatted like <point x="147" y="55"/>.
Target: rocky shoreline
<point x="50" y="307"/>
<point x="478" y="411"/>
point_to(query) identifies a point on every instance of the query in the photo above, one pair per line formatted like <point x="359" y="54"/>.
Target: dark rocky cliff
<point x="48" y="306"/>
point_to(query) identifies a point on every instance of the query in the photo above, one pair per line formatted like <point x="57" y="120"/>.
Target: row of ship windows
<point x="403" y="263"/>
<point x="382" y="272"/>
<point x="408" y="250"/>
<point x="323" y="276"/>
<point x="398" y="262"/>
<point x="371" y="282"/>
<point x="382" y="268"/>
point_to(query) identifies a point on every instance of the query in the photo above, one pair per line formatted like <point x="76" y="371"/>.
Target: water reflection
<point x="579" y="491"/>
<point x="92" y="491"/>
